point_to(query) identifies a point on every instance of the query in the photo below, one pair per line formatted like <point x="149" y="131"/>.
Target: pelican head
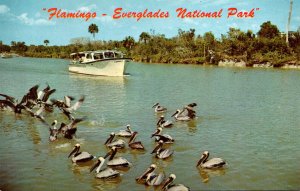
<point x="176" y="112"/>
<point x="75" y="150"/>
<point x="148" y="171"/>
<point x="110" y="138"/>
<point x="203" y="158"/>
<point x="155" y="105"/>
<point x="168" y="181"/>
<point x="133" y="136"/>
<point x="98" y="163"/>
<point x="54" y="124"/>
<point x="157" y="131"/>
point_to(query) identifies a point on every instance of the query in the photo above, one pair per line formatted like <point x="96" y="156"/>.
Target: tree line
<point x="268" y="45"/>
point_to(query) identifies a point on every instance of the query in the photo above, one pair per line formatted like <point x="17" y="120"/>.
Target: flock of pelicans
<point x="36" y="102"/>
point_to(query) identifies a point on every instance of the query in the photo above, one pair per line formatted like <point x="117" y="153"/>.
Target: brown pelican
<point x="65" y="106"/>
<point x="179" y="117"/>
<point x="162" y="123"/>
<point x="212" y="163"/>
<point x="53" y="131"/>
<point x="160" y="152"/>
<point x="69" y="130"/>
<point x="168" y="186"/>
<point x="118" y="143"/>
<point x="155" y="179"/>
<point x="135" y="144"/>
<point x="165" y="137"/>
<point x="106" y="173"/>
<point x="158" y="108"/>
<point x="186" y="114"/>
<point x="118" y="161"/>
<point x="125" y="133"/>
<point x="142" y="179"/>
<point x="80" y="156"/>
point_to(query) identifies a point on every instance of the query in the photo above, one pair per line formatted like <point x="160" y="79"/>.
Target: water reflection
<point x="99" y="79"/>
<point x="106" y="184"/>
<point x="206" y="174"/>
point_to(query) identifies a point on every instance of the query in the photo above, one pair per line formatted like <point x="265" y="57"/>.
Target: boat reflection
<point x="206" y="174"/>
<point x="99" y="79"/>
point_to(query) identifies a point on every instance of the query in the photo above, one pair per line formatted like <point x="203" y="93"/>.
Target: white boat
<point x="99" y="63"/>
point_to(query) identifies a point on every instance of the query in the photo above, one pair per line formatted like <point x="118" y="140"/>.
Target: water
<point x="249" y="117"/>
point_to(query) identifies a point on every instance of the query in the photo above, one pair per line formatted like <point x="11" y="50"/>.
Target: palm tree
<point x="46" y="42"/>
<point x="144" y="36"/>
<point x="128" y="42"/>
<point x="289" y="22"/>
<point x="93" y="28"/>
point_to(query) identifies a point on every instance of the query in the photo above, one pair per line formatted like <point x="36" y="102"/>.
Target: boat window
<point x="89" y="56"/>
<point x="98" y="56"/>
<point x="109" y="54"/>
<point x="118" y="55"/>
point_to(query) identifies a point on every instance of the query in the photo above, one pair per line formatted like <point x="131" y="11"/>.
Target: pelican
<point x="168" y="186"/>
<point x="136" y="144"/>
<point x="155" y="179"/>
<point x="69" y="130"/>
<point x="142" y="178"/>
<point x="212" y="163"/>
<point x="80" y="156"/>
<point x="125" y="133"/>
<point x="160" y="152"/>
<point x="165" y="137"/>
<point x="53" y="131"/>
<point x="118" y="143"/>
<point x="118" y="161"/>
<point x="159" y="108"/>
<point x="162" y="123"/>
<point x="179" y="117"/>
<point x="106" y="173"/>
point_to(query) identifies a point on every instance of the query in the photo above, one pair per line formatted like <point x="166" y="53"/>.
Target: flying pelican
<point x="162" y="123"/>
<point x="168" y="186"/>
<point x="135" y="144"/>
<point x="118" y="161"/>
<point x="125" y="133"/>
<point x="69" y="130"/>
<point x="53" y="131"/>
<point x="106" y="173"/>
<point x="80" y="156"/>
<point x="212" y="163"/>
<point x="118" y="143"/>
<point x="165" y="137"/>
<point x="160" y="152"/>
<point x="159" y="108"/>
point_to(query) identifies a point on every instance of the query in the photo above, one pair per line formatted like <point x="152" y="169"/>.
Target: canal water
<point x="249" y="117"/>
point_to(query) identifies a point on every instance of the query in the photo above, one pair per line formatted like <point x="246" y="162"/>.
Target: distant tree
<point x="268" y="30"/>
<point x="289" y="22"/>
<point x="93" y="28"/>
<point x="144" y="36"/>
<point x="46" y="42"/>
<point x="128" y="42"/>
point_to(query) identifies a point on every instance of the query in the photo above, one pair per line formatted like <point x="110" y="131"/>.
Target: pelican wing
<point x="107" y="173"/>
<point x="214" y="163"/>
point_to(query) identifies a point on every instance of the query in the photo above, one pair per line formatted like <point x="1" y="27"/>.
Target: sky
<point x="28" y="20"/>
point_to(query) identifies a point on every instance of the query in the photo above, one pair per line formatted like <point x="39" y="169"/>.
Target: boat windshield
<point x="98" y="56"/>
<point x="109" y="55"/>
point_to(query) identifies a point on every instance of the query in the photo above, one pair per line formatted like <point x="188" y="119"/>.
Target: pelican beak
<point x="144" y="175"/>
<point x="155" y="105"/>
<point x="132" y="137"/>
<point x="160" y="119"/>
<point x="95" y="165"/>
<point x="166" y="183"/>
<point x="155" y="133"/>
<point x="107" y="154"/>
<point x="156" y="148"/>
<point x="174" y="114"/>
<point x="203" y="157"/>
<point x="110" y="138"/>
<point x="73" y="151"/>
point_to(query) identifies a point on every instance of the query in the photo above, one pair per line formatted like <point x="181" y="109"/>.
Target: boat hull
<point x="110" y="67"/>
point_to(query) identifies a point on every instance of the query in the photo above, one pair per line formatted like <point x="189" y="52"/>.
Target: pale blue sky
<point x="25" y="20"/>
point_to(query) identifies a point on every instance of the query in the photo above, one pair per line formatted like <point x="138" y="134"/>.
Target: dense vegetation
<point x="267" y="46"/>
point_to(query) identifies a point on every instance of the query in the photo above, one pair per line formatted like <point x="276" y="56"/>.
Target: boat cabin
<point x="91" y="56"/>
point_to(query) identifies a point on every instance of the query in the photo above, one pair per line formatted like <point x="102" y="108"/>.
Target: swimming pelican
<point x="135" y="144"/>
<point x="212" y="163"/>
<point x="106" y="173"/>
<point x="159" y="108"/>
<point x="118" y="143"/>
<point x="125" y="133"/>
<point x="160" y="152"/>
<point x="142" y="178"/>
<point x="118" y="161"/>
<point x="165" y="137"/>
<point x="177" y="115"/>
<point x="162" y="123"/>
<point x="80" y="156"/>
<point x="155" y="179"/>
<point x="168" y="186"/>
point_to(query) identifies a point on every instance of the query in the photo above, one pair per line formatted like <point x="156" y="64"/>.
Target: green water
<point x="249" y="117"/>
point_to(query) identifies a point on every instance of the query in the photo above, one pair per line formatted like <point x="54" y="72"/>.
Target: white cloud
<point x="30" y="21"/>
<point x="4" y="9"/>
<point x="106" y="19"/>
<point x="87" y="8"/>
<point x="233" y="25"/>
<point x="190" y="21"/>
